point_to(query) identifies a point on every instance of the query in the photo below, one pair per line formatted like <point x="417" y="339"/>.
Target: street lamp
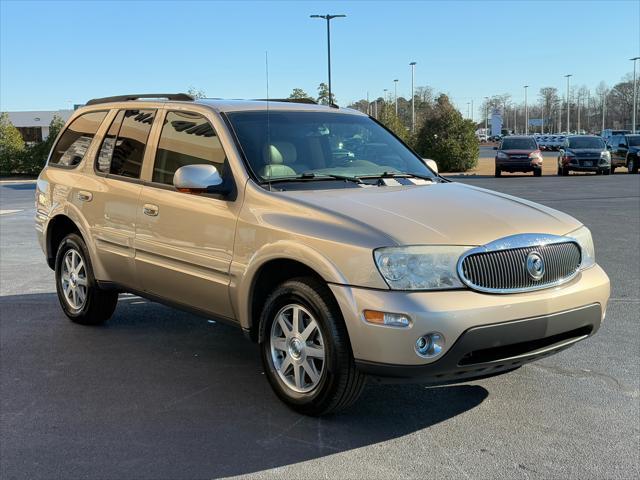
<point x="526" y="112"/>
<point x="486" y="115"/>
<point x="413" y="99"/>
<point x="635" y="95"/>
<point x="328" y="18"/>
<point x="472" y="113"/>
<point x="468" y="109"/>
<point x="395" y="94"/>
<point x="568" y="103"/>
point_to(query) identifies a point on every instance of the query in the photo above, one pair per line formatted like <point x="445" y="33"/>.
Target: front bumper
<point x="527" y="165"/>
<point x="492" y="349"/>
<point x="454" y="312"/>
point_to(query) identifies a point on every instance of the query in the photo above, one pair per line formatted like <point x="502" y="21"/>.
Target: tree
<point x="389" y="119"/>
<point x="35" y="156"/>
<point x="11" y="145"/>
<point x="447" y="138"/>
<point x="300" y="94"/>
<point x="323" y="95"/>
<point x="196" y="92"/>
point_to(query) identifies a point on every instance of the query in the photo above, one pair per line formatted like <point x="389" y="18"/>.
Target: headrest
<point x="280" y="152"/>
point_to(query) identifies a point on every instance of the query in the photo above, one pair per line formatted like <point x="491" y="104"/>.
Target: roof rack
<point x="128" y="98"/>
<point x="288" y="100"/>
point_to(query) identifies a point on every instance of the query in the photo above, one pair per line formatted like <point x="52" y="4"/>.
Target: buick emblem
<point x="535" y="266"/>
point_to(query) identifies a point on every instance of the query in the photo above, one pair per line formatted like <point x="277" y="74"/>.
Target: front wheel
<point x="80" y="297"/>
<point x="305" y="349"/>
<point x="537" y="172"/>
<point x="632" y="165"/>
<point x="498" y="172"/>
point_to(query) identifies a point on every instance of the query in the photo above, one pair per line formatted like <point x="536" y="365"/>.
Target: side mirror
<point x="196" y="179"/>
<point x="431" y="164"/>
<point x="608" y="147"/>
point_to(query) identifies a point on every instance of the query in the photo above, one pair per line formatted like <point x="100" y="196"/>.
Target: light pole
<point x="472" y="112"/>
<point x="468" y="109"/>
<point x="413" y="99"/>
<point x="395" y="94"/>
<point x="604" y="106"/>
<point x="578" y="101"/>
<point x="635" y="96"/>
<point x="568" y="102"/>
<point x="486" y="115"/>
<point x="542" y="118"/>
<point x="526" y="112"/>
<point x="328" y="18"/>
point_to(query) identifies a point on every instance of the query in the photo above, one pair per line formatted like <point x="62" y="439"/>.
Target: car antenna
<point x="266" y="66"/>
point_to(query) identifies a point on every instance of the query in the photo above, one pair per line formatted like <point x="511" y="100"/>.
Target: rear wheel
<point x="79" y="295"/>
<point x="612" y="170"/>
<point x="305" y="349"/>
<point x="498" y="172"/>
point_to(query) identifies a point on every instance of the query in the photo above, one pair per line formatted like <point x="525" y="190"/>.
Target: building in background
<point x="34" y="125"/>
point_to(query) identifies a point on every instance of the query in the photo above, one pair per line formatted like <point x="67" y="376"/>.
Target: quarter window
<point x="186" y="139"/>
<point x="75" y="141"/>
<point x="122" y="150"/>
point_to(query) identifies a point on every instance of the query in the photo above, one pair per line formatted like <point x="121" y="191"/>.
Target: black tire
<point x="632" y="165"/>
<point x="612" y="170"/>
<point x="606" y="171"/>
<point x="340" y="383"/>
<point x="99" y="304"/>
<point x="537" y="172"/>
<point x="498" y="172"/>
<point x="559" y="171"/>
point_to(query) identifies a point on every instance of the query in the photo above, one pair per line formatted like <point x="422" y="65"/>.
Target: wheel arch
<point x="58" y="227"/>
<point x="269" y="269"/>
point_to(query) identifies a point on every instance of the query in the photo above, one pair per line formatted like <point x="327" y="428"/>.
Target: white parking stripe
<point x="7" y="212"/>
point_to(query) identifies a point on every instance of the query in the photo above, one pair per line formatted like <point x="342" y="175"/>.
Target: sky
<point x="55" y="54"/>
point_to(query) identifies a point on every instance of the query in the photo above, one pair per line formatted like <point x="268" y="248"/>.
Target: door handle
<point x="85" y="196"/>
<point x="151" y="210"/>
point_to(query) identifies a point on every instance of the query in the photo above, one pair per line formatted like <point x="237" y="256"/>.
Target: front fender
<point x="243" y="275"/>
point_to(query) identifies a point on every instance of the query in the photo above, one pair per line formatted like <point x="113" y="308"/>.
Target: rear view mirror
<point x="431" y="164"/>
<point x="200" y="178"/>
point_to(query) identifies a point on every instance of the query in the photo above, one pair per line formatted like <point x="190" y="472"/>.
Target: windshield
<point x="633" y="140"/>
<point x="289" y="144"/>
<point x="586" y="142"/>
<point x="519" y="144"/>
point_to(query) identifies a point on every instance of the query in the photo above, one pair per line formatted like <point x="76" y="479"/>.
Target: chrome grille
<point x="504" y="270"/>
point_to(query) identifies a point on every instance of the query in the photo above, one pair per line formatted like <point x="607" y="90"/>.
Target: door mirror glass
<point x="198" y="178"/>
<point x="431" y="164"/>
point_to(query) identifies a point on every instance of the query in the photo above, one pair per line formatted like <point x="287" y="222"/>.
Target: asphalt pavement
<point x="161" y="394"/>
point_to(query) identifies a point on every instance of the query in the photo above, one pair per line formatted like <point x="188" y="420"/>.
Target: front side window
<point x="75" y="141"/>
<point x="292" y="144"/>
<point x="186" y="139"/>
<point x="633" y="140"/>
<point x="123" y="147"/>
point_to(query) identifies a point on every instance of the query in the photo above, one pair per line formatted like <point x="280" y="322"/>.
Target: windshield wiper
<point x="307" y="176"/>
<point x="401" y="175"/>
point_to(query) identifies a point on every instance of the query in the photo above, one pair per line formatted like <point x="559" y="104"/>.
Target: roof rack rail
<point x="128" y="98"/>
<point x="288" y="100"/>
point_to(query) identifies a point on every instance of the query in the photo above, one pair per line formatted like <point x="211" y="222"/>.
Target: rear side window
<point x="122" y="150"/>
<point x="75" y="141"/>
<point x="186" y="139"/>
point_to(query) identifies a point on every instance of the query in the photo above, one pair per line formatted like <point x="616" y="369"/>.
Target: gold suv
<point x="314" y="229"/>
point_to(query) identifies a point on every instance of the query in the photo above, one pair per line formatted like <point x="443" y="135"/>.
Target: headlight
<point x="502" y="156"/>
<point x="605" y="156"/>
<point x="420" y="267"/>
<point x="584" y="239"/>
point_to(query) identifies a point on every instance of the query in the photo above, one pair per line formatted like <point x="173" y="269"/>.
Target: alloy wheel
<point x="73" y="279"/>
<point x="297" y="348"/>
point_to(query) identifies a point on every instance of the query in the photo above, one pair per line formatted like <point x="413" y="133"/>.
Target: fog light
<point x="387" y="319"/>
<point x="430" y="345"/>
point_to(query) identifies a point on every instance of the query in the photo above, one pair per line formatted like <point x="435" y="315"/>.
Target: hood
<point x="518" y="152"/>
<point x="582" y="151"/>
<point x="439" y="213"/>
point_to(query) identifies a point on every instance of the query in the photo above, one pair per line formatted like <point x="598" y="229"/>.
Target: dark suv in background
<point x="518" y="154"/>
<point x="625" y="152"/>
<point x="587" y="153"/>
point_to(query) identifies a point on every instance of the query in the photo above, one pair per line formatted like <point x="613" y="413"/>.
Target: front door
<point x="184" y="243"/>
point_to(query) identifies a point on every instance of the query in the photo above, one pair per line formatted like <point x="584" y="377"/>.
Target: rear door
<point x="112" y="198"/>
<point x="184" y="242"/>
